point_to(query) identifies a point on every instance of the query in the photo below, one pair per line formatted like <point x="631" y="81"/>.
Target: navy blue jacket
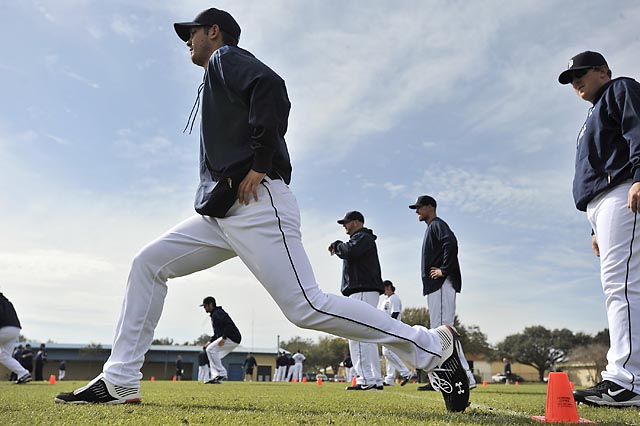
<point x="440" y="250"/>
<point x="361" y="266"/>
<point x="245" y="112"/>
<point x="8" y="316"/>
<point x="223" y="326"/>
<point x="608" y="148"/>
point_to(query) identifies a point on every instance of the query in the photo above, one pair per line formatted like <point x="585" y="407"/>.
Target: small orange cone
<point x="319" y="381"/>
<point x="572" y="385"/>
<point x="174" y="379"/>
<point x="353" y="381"/>
<point x="561" y="407"/>
<point x="304" y="380"/>
<point x="517" y="383"/>
<point x="484" y="383"/>
<point x="153" y="378"/>
<point x="52" y="379"/>
<point x="294" y="380"/>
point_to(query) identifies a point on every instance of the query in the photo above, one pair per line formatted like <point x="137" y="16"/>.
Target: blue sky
<point x="390" y="100"/>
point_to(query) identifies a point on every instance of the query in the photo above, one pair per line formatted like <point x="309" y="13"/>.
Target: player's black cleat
<point x="406" y="379"/>
<point x="24" y="379"/>
<point x="362" y="388"/>
<point x="609" y="394"/>
<point x="99" y="391"/>
<point x="216" y="380"/>
<point x="449" y="377"/>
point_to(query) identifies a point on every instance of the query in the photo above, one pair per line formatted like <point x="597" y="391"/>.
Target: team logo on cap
<point x="570" y="64"/>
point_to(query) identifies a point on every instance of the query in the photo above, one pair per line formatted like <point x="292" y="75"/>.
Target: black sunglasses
<point x="581" y="73"/>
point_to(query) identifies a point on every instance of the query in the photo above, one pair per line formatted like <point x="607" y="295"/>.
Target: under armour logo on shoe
<point x="459" y="386"/>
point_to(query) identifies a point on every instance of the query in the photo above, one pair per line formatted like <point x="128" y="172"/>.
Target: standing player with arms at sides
<point x="606" y="186"/>
<point x="245" y="208"/>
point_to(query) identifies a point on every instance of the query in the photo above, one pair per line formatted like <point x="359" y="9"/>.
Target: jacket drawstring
<point x="196" y="107"/>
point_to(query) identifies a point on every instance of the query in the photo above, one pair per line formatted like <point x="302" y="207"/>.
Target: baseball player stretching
<point x="606" y="185"/>
<point x="244" y="118"/>
<point x="392" y="305"/>
<point x="226" y="337"/>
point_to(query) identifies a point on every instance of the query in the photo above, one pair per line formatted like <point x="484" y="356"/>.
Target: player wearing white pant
<point x="299" y="358"/>
<point x="606" y="185"/>
<point x="244" y="118"/>
<point x="365" y="358"/>
<point x="9" y="333"/>
<point x="441" y="277"/>
<point x="391" y="304"/>
<point x="361" y="280"/>
<point x="226" y="337"/>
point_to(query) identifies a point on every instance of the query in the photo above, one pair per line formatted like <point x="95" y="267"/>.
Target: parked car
<point x="322" y="376"/>
<point x="501" y="378"/>
<point x="339" y="378"/>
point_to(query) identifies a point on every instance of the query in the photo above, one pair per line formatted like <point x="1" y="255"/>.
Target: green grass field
<point x="237" y="403"/>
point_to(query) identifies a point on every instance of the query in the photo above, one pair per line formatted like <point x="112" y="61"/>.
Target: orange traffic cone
<point x="294" y="380"/>
<point x="52" y="379"/>
<point x="484" y="383"/>
<point x="319" y="381"/>
<point x="153" y="378"/>
<point x="517" y="383"/>
<point x="304" y="379"/>
<point x="353" y="381"/>
<point x="174" y="379"/>
<point x="561" y="407"/>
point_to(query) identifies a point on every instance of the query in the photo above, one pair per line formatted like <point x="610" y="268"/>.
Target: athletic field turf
<point x="237" y="403"/>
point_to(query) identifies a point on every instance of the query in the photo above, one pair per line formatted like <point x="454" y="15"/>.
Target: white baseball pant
<point x="297" y="371"/>
<point x="442" y="311"/>
<point x="215" y="353"/>
<point x="290" y="373"/>
<point x="393" y="364"/>
<point x="618" y="235"/>
<point x="266" y="236"/>
<point x="8" y="339"/>
<point x="364" y="356"/>
<point x="204" y="373"/>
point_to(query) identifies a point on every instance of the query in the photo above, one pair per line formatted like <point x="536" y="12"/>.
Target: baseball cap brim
<point x="566" y="76"/>
<point x="183" y="29"/>
<point x="415" y="206"/>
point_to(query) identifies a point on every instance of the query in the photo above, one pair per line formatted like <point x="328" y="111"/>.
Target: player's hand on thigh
<point x="249" y="186"/>
<point x="594" y="245"/>
<point x="634" y="197"/>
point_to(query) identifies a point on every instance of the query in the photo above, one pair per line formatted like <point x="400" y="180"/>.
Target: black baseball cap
<point x="207" y="300"/>
<point x="424" y="200"/>
<point x="209" y="17"/>
<point x="581" y="61"/>
<point x="388" y="283"/>
<point x="353" y="215"/>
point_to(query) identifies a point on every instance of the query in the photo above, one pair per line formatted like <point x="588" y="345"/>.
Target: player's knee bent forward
<point x="309" y="312"/>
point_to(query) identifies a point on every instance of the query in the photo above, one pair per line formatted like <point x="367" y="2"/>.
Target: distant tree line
<point x="535" y="346"/>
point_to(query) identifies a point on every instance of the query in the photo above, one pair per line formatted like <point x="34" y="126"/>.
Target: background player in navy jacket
<point x="361" y="280"/>
<point x="441" y="277"/>
<point x="606" y="185"/>
<point x="226" y="337"/>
